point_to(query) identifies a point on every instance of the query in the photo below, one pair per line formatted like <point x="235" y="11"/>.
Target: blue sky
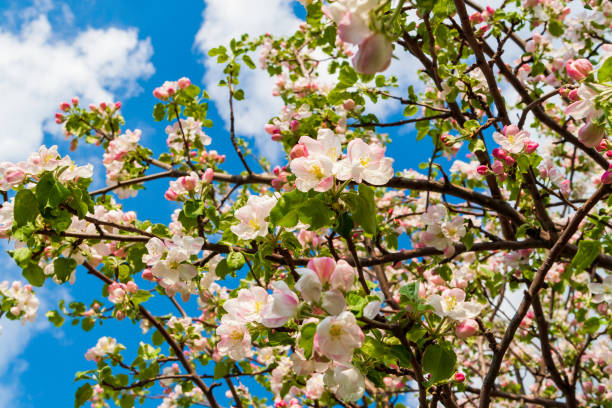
<point x="120" y="50"/>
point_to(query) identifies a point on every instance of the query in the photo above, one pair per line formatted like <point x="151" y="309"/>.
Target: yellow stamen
<point x="365" y="161"/>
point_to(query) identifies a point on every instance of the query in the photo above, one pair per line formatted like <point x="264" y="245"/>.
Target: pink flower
<point x="374" y="55"/>
<point x="337" y="336"/>
<point x="343" y="276"/>
<point x="579" y="69"/>
<point x="585" y="107"/>
<point x="315" y="169"/>
<point x="513" y="139"/>
<point x="281" y="307"/>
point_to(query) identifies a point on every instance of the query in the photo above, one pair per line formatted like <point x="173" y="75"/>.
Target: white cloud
<point x="38" y="70"/>
<point x="225" y="19"/>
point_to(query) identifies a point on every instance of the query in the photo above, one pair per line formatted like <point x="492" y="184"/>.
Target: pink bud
<point x="476" y="18"/>
<point x="603" y="145"/>
<point x="498" y="167"/>
<point x="117" y="105"/>
<point x="482" y="170"/>
<point x="159" y="94"/>
<point x="93" y="108"/>
<point x="120" y="315"/>
<point x="531" y="146"/>
<point x="147" y="275"/>
<point x="459" y="377"/>
<point x="75" y="101"/>
<point x="171" y="91"/>
<point x="499" y="153"/>
<point x="466" y="328"/>
<point x="294" y="125"/>
<point x="509" y="160"/>
<point x="208" y="175"/>
<point x="587" y="386"/>
<point x="299" y="150"/>
<point x="374" y="55"/>
<point x="591" y="135"/>
<point x="270" y="128"/>
<point x="171" y="195"/>
<point x="65" y="106"/>
<point x="349" y="104"/>
<point x="602" y="308"/>
<point x="131" y="287"/>
<point x="103" y="105"/>
<point x="578" y="69"/>
<point x="277" y="137"/>
<point x="184" y="82"/>
<point x="277" y="184"/>
<point x="606" y="177"/>
<point x="573" y="95"/>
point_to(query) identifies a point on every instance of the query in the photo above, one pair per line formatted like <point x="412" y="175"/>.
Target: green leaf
<point x="87" y="324"/>
<point x="248" y="61"/>
<point x="159" y="112"/>
<point x="604" y="74"/>
<point x="222" y="368"/>
<point x="127" y="401"/>
<point x="347" y="77"/>
<point x="63" y="267"/>
<point x="306" y="338"/>
<point x="55" y="318"/>
<point x="586" y="254"/>
<point x="410" y="291"/>
<point x="363" y="208"/>
<point x="345" y="225"/>
<point x="239" y="95"/>
<point x="556" y="28"/>
<point x="591" y="325"/>
<point x="141" y="296"/>
<point x="439" y="361"/>
<point x="157" y="338"/>
<point x="25" y="209"/>
<point x="83" y="394"/>
<point x="285" y="212"/>
<point x="34" y="274"/>
<point x="315" y="213"/>
<point x="50" y="193"/>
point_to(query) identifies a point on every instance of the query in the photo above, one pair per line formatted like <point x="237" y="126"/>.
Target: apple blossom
<point x="253" y="217"/>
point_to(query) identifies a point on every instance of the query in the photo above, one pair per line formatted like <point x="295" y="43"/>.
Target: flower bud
<point x="349" y="104"/>
<point x="578" y="69"/>
<point x="75" y="101"/>
<point x="509" y="160"/>
<point x="606" y="177"/>
<point x="294" y="125"/>
<point x="466" y="328"/>
<point x="374" y="55"/>
<point x="65" y="106"/>
<point x="531" y="146"/>
<point x="499" y="153"/>
<point x="299" y="150"/>
<point x="184" y="82"/>
<point x="459" y="377"/>
<point x="591" y="135"/>
<point x="208" y="175"/>
<point x="482" y="170"/>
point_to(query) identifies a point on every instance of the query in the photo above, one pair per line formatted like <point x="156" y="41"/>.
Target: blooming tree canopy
<point x="336" y="278"/>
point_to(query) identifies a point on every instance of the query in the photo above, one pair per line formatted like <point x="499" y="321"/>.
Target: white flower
<point x="365" y="162"/>
<point x="337" y="336"/>
<point x="513" y="140"/>
<point x="602" y="291"/>
<point x="349" y="381"/>
<point x="247" y="306"/>
<point x="451" y="304"/>
<point x="235" y="339"/>
<point x="253" y="217"/>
